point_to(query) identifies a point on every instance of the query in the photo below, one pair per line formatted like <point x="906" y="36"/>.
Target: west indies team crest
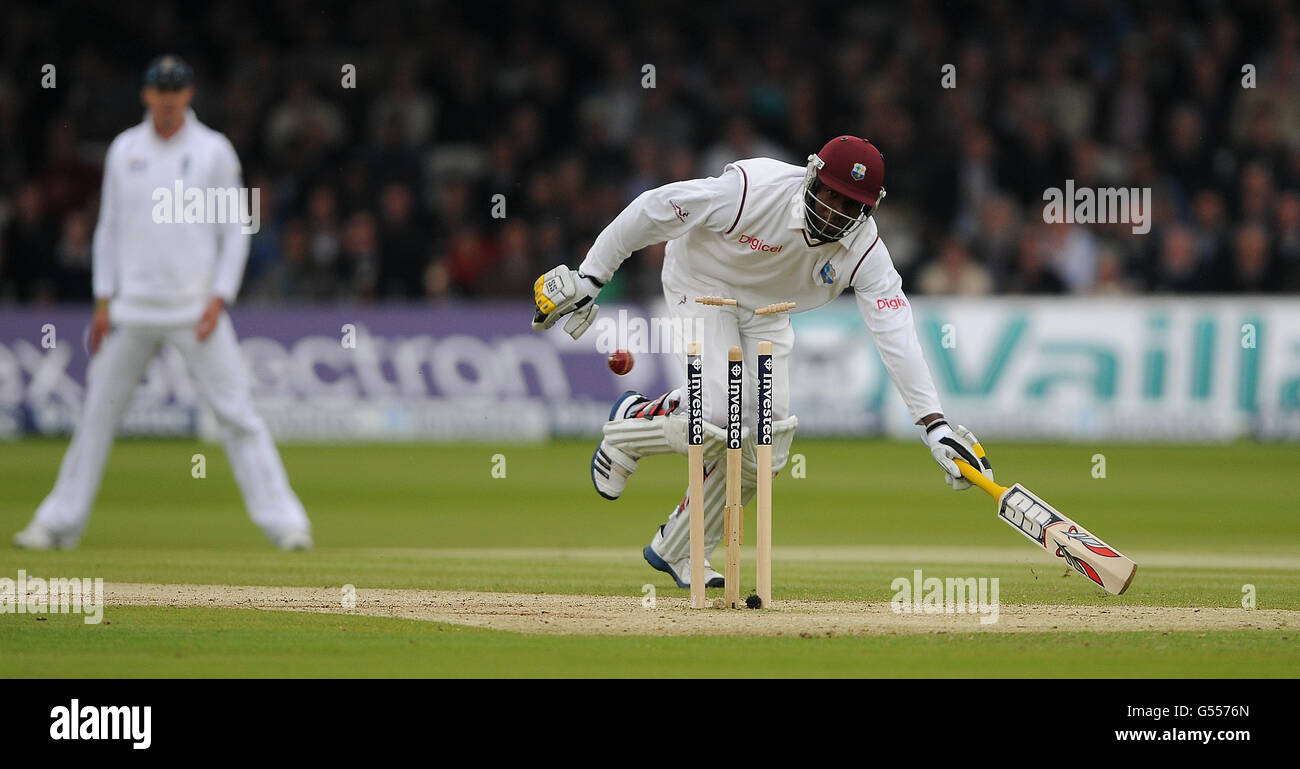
<point x="858" y="172"/>
<point x="828" y="273"/>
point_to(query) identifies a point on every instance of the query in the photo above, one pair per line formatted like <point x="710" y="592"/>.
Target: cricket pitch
<point x="557" y="614"/>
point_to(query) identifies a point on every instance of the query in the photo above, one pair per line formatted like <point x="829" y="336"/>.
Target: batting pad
<point x="715" y="438"/>
<point x="676" y="534"/>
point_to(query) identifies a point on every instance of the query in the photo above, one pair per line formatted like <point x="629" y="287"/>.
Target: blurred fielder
<point x="169" y="284"/>
<point x="762" y="232"/>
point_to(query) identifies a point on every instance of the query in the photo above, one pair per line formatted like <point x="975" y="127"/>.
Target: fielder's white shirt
<point x="164" y="273"/>
<point x="740" y="235"/>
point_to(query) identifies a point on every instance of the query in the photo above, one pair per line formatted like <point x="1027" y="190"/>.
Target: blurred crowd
<point x="484" y="143"/>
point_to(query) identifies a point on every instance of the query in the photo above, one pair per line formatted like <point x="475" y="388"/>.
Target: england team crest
<point x="858" y="172"/>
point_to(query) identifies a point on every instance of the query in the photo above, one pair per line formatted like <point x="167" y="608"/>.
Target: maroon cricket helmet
<point x="854" y="168"/>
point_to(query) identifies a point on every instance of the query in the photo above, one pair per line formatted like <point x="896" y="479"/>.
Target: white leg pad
<point x="677" y="534"/>
<point x="715" y="438"/>
<point x="782" y="437"/>
<point x="664" y="435"/>
<point x="638" y="437"/>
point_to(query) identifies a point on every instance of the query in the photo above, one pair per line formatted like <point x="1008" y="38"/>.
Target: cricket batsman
<point x="761" y="232"/>
<point x="163" y="283"/>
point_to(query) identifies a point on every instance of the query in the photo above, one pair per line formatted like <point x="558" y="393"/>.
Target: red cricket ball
<point x="620" y="362"/>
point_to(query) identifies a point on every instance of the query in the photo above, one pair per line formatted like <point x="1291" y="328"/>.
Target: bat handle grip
<point x="979" y="479"/>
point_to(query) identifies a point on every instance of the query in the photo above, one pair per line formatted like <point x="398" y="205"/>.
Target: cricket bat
<point x="1047" y="527"/>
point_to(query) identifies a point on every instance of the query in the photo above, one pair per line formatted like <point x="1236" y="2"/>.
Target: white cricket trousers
<point x="724" y="328"/>
<point x="220" y="380"/>
<point x="721" y="328"/>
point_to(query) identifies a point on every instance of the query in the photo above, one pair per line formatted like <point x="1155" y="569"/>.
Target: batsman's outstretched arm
<point x="655" y="216"/>
<point x="878" y="289"/>
<point x="662" y="214"/>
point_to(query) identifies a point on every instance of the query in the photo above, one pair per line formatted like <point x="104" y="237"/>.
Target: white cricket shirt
<point x="740" y="235"/>
<point x="164" y="273"/>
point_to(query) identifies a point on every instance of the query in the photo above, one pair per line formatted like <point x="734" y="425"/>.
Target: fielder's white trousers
<point x="220" y="380"/>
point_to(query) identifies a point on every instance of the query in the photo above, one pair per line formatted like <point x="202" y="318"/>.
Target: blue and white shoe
<point x="611" y="466"/>
<point x="680" y="571"/>
<point x="621" y="403"/>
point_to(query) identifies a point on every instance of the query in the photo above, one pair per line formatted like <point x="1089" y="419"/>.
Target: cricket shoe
<point x="610" y="465"/>
<point x="292" y="539"/>
<point x="680" y="570"/>
<point x="37" y="537"/>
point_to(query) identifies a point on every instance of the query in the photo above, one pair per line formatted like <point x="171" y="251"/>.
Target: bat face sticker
<point x="1091" y="542"/>
<point x="1081" y="566"/>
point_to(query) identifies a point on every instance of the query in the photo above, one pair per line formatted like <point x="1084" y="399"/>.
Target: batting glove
<point x="561" y="292"/>
<point x="947" y="444"/>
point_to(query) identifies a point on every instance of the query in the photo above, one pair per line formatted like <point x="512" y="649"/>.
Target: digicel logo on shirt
<point x="756" y="244"/>
<point x="890" y="304"/>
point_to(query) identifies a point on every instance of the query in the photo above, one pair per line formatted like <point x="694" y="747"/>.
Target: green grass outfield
<point x="1202" y="521"/>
